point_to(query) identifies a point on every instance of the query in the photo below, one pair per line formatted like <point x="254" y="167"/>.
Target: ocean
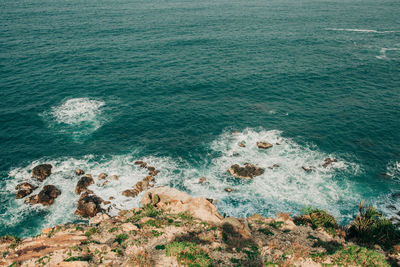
<point x="178" y="83"/>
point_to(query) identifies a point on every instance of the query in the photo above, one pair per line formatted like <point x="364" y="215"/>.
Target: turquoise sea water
<point x="100" y="84"/>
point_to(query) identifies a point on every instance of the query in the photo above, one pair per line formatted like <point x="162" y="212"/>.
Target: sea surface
<point x="179" y="83"/>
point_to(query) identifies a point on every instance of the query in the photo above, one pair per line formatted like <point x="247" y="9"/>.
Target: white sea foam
<point x="77" y="110"/>
<point x="383" y="53"/>
<point x="286" y="188"/>
<point x="360" y="30"/>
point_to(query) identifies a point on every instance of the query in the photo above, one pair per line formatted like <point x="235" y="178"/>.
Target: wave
<point x="76" y="116"/>
<point x="359" y="30"/>
<point x="287" y="188"/>
<point x="383" y="53"/>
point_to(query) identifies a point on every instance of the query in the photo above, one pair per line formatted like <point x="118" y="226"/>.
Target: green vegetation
<point x="80" y="258"/>
<point x="118" y="251"/>
<point x="121" y="238"/>
<point x="276" y="224"/>
<point x="318" y="218"/>
<point x="266" y="231"/>
<point x="90" y="232"/>
<point x="160" y="247"/>
<point x="188" y="254"/>
<point x="371" y="227"/>
<point x="355" y="255"/>
<point x="111" y="230"/>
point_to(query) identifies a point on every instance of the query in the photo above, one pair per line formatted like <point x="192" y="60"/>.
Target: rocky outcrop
<point x="24" y="189"/>
<point x="83" y="183"/>
<point x="79" y="172"/>
<point x="178" y="202"/>
<point x="328" y="161"/>
<point x="88" y="205"/>
<point x="42" y="171"/>
<point x="248" y="171"/>
<point x="235" y="231"/>
<point x="140" y="186"/>
<point x="264" y="145"/>
<point x="45" y="197"/>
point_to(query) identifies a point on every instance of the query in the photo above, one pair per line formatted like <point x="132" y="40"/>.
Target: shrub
<point x="359" y="256"/>
<point x="121" y="238"/>
<point x="318" y="218"/>
<point x="188" y="254"/>
<point x="371" y="227"/>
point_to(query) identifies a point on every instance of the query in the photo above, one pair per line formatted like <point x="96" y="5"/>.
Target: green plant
<point x="112" y="229"/>
<point x="188" y="254"/>
<point x="372" y="227"/>
<point x="156" y="233"/>
<point x="265" y="231"/>
<point x="90" y="232"/>
<point x="160" y="247"/>
<point x="80" y="258"/>
<point x="318" y="218"/>
<point x="360" y="256"/>
<point x="118" y="251"/>
<point x="121" y="238"/>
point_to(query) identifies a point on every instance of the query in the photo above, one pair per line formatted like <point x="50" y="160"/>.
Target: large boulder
<point x="45" y="197"/>
<point x="328" y="161"/>
<point x="24" y="189"/>
<point x="83" y="183"/>
<point x="177" y="202"/>
<point x="248" y="171"/>
<point x="235" y="228"/>
<point x="41" y="171"/>
<point x="264" y="145"/>
<point x="88" y="205"/>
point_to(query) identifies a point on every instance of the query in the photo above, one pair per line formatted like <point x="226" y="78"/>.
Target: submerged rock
<point x="264" y="145"/>
<point x="102" y="176"/>
<point x="141" y="163"/>
<point x="248" y="171"/>
<point x="79" y="172"/>
<point x="202" y="180"/>
<point x="242" y="144"/>
<point x="114" y="177"/>
<point x="45" y="197"/>
<point x="328" y="161"/>
<point x="83" y="183"/>
<point x="139" y="187"/>
<point x="24" y="189"/>
<point x="307" y="169"/>
<point x="130" y="193"/>
<point x="228" y="189"/>
<point x="89" y="205"/>
<point x="41" y="171"/>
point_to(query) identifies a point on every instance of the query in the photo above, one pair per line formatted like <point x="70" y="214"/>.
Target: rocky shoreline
<point x="174" y="229"/>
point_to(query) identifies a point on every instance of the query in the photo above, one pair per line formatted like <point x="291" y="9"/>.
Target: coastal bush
<point x="317" y="218"/>
<point x="80" y="258"/>
<point x="372" y="227"/>
<point x="121" y="238"/>
<point x="188" y="254"/>
<point x="354" y="255"/>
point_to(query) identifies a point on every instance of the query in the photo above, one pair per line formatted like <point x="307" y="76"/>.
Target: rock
<point x="114" y="177"/>
<point x="274" y="166"/>
<point x="111" y="198"/>
<point x="234" y="229"/>
<point x="264" y="145"/>
<point x="150" y="168"/>
<point x="328" y="161"/>
<point x="141" y="163"/>
<point x="309" y="169"/>
<point x="45" y="197"/>
<point x="202" y="180"/>
<point x="24" y="189"/>
<point x="130" y="193"/>
<point x="178" y="201"/>
<point x="98" y="218"/>
<point x="248" y="171"/>
<point x="106" y="202"/>
<point x="127" y="227"/>
<point x="41" y="171"/>
<point x="89" y="205"/>
<point x="154" y="173"/>
<point x="228" y="189"/>
<point x="83" y="183"/>
<point x="241" y="144"/>
<point x="79" y="172"/>
<point x="102" y="176"/>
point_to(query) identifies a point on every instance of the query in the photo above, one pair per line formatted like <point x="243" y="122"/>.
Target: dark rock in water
<point x="154" y="173"/>
<point x="89" y="205"/>
<point x="242" y="144"/>
<point x="45" y="197"/>
<point x="202" y="180"/>
<point x="264" y="145"/>
<point x="141" y="163"/>
<point x="130" y="193"/>
<point x="151" y="168"/>
<point x="114" y="177"/>
<point x="102" y="176"/>
<point x="309" y="169"/>
<point x="328" y="161"/>
<point x="391" y="207"/>
<point x="24" y="189"/>
<point x="274" y="166"/>
<point x="79" y="172"/>
<point x="210" y="200"/>
<point x="41" y="171"/>
<point x="248" y="171"/>
<point x="228" y="189"/>
<point x="83" y="183"/>
<point x="395" y="195"/>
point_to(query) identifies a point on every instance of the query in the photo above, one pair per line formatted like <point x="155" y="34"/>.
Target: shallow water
<point x="98" y="85"/>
